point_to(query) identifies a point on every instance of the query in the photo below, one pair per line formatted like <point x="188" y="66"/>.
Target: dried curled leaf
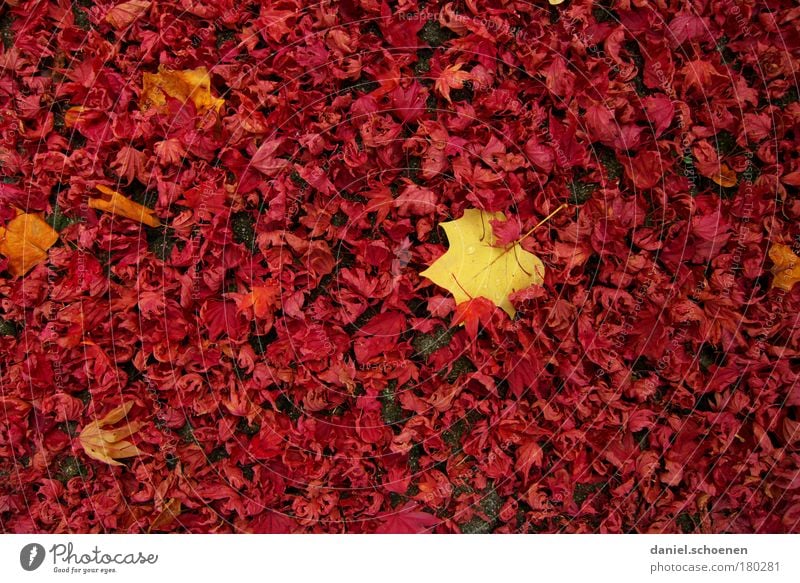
<point x="73" y="116"/>
<point x="123" y="15"/>
<point x="726" y="177"/>
<point x="25" y="241"/>
<point x="194" y="84"/>
<point x="118" y="204"/>
<point x="787" y="267"/>
<point x="474" y="267"/>
<point x="107" y="445"/>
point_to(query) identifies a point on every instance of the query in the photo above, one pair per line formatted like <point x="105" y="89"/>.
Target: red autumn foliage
<point x="289" y="369"/>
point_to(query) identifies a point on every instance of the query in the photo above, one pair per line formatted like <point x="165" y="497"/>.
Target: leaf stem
<point x="542" y="222"/>
<point x="518" y="241"/>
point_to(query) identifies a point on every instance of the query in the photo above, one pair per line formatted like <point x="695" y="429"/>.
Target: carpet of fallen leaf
<point x="215" y="217"/>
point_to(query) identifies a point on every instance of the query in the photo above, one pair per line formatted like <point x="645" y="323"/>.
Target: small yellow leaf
<point x="25" y="241"/>
<point x="118" y="204"/>
<point x="473" y="267"/>
<point x="555" y="2"/>
<point x="726" y="177"/>
<point x="787" y="267"/>
<point x="194" y="84"/>
<point x="108" y="445"/>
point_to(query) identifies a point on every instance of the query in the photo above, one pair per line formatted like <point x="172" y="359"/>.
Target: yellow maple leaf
<point x="118" y="204"/>
<point x="107" y="445"/>
<point x="25" y="241"/>
<point x="194" y="84"/>
<point x="473" y="267"/>
<point x="787" y="267"/>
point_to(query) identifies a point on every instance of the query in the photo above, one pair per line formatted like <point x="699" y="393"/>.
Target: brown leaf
<point x="194" y="84"/>
<point x="134" y="516"/>
<point x="25" y="241"/>
<point x="108" y="445"/>
<point x="787" y="267"/>
<point x="170" y="512"/>
<point x="118" y="204"/>
<point x="126" y="13"/>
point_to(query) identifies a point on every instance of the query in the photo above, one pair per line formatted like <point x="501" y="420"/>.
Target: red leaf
<point x="689" y="27"/>
<point x="646" y="169"/>
<point x="407" y="520"/>
<point x="660" y="111"/>
<point x="473" y="313"/>
<point x="222" y="318"/>
<point x="506" y="232"/>
<point x="601" y="123"/>
<point x="522" y="374"/>
<point x="265" y="161"/>
<point x="130" y="164"/>
<point x="529" y="454"/>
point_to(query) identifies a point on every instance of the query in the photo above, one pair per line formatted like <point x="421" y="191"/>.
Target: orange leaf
<point x="194" y="84"/>
<point x="118" y="204"/>
<point x="73" y="116"/>
<point x="25" y="241"/>
<point x="451" y="78"/>
<point x="263" y="300"/>
<point x="787" y="267"/>
<point x="108" y="445"/>
<point x="726" y="177"/>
